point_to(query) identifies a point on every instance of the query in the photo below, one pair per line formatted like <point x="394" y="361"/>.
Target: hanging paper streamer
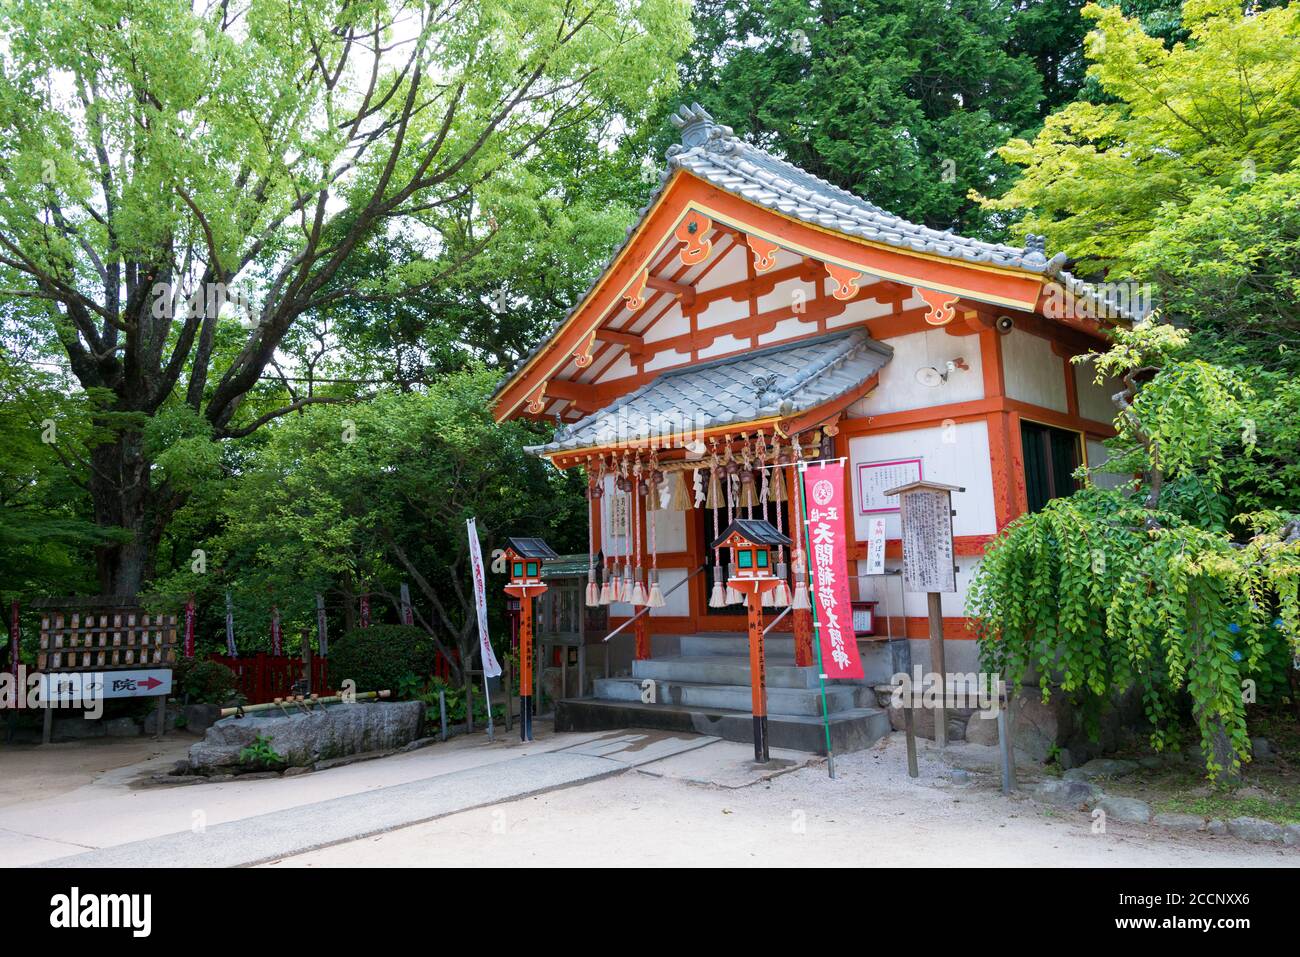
<point x="322" y="635"/>
<point x="638" y="489"/>
<point x="277" y="637"/>
<point x="230" y="628"/>
<point x="593" y="591"/>
<point x="189" y="627"/>
<point x="800" y="600"/>
<point x="408" y="613"/>
<point x="730" y="482"/>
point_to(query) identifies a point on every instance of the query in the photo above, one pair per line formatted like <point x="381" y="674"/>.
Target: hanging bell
<point x="800" y="600"/>
<point x="781" y="593"/>
<point x="656" y="597"/>
<point x="718" y="599"/>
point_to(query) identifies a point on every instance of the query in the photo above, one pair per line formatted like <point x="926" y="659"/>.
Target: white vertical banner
<point x="491" y="668"/>
<point x="876" y="545"/>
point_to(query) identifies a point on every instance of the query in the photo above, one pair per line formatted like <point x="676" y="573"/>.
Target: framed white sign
<point x="875" y="477"/>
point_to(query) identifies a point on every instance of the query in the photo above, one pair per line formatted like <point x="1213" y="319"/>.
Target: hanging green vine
<point x="1107" y="589"/>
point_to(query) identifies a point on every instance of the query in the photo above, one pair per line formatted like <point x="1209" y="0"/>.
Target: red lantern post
<point x="751" y="542"/>
<point x="524" y="558"/>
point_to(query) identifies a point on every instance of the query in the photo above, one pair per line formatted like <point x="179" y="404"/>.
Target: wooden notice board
<point x="927" y="539"/>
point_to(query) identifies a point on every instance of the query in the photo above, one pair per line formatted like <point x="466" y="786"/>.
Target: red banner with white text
<point x="828" y="561"/>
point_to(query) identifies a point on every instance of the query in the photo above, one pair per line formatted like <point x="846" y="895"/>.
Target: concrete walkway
<point x="464" y="779"/>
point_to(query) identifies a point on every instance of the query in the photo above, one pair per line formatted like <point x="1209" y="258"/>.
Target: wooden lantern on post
<point x="750" y="541"/>
<point x="524" y="559"/>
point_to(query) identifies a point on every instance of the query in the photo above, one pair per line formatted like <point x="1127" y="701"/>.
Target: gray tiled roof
<point x="531" y="548"/>
<point x="781" y="380"/>
<point x="755" y="530"/>
<point x="714" y="153"/>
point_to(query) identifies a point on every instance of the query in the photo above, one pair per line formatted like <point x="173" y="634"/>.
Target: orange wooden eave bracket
<point x="686" y="196"/>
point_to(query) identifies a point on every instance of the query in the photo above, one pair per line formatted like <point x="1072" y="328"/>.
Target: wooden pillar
<point x="802" y="618"/>
<point x="526" y="668"/>
<point x="641" y="628"/>
<point x="938" y="668"/>
<point x="757" y="675"/>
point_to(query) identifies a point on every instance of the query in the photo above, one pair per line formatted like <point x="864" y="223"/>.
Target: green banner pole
<point x="817" y="632"/>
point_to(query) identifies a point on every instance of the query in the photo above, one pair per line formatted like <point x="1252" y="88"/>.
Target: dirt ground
<point x="29" y="773"/>
<point x="673" y="813"/>
<point x="707" y="806"/>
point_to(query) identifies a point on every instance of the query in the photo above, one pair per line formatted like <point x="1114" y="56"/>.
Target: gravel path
<point x="673" y="812"/>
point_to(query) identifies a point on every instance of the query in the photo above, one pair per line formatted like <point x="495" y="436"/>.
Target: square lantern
<point x="524" y="559"/>
<point x="751" y="541"/>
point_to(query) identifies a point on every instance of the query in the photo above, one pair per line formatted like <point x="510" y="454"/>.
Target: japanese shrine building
<point x="756" y="315"/>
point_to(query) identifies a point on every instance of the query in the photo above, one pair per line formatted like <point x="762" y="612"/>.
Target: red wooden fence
<point x="261" y="677"/>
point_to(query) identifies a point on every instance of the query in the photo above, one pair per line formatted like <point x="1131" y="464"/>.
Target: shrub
<point x="205" y="682"/>
<point x="378" y="657"/>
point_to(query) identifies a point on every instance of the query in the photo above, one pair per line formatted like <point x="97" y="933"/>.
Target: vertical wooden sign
<point x="926" y="513"/>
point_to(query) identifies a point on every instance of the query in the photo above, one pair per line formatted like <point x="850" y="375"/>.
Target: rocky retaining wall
<point x="305" y="739"/>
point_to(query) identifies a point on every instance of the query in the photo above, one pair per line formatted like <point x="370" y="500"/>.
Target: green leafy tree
<point x="181" y="185"/>
<point x="1105" y="590"/>
<point x="1181" y="127"/>
<point x="342" y="499"/>
<point x="901" y="102"/>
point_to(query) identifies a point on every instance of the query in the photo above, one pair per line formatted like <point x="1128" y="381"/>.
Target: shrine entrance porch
<point x="705" y="688"/>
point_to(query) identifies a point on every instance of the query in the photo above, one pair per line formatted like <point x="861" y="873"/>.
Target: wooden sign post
<point x="926" y="515"/>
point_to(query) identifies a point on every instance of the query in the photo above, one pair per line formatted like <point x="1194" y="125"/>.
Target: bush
<point x="204" y="682"/>
<point x="378" y="657"/>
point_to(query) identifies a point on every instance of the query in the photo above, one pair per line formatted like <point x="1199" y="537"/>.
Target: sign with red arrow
<point x="147" y="683"/>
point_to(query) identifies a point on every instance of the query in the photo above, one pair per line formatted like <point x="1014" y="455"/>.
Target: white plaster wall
<point x="676" y="605"/>
<point x="787" y="329"/>
<point x="724" y="345"/>
<point x="887" y="590"/>
<point x="670" y="530"/>
<point x="783" y="295"/>
<point x="670" y="324"/>
<point x="1032" y="371"/>
<point x="666" y="359"/>
<point x="1095" y="400"/>
<point x="620" y="367"/>
<point x="956" y="455"/>
<point x="722" y="311"/>
<point x="899" y="391"/>
<point x="731" y="269"/>
<point x="858" y="313"/>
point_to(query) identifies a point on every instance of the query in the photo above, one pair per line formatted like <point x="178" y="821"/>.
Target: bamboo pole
<point x="279" y="702"/>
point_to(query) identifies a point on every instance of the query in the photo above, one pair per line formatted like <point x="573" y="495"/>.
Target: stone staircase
<point x="701" y="685"/>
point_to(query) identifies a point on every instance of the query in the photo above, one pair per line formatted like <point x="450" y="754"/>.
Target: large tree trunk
<point x="120" y="488"/>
